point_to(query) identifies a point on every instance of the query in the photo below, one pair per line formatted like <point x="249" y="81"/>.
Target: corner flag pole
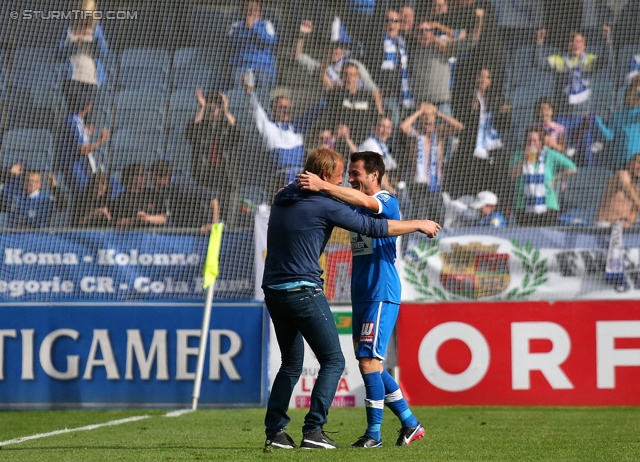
<point x="210" y="275"/>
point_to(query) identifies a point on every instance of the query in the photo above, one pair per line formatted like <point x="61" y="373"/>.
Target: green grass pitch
<point x="453" y="433"/>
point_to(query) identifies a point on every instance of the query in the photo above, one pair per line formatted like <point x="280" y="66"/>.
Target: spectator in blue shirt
<point x="32" y="209"/>
<point x="76" y="159"/>
<point x="251" y="41"/>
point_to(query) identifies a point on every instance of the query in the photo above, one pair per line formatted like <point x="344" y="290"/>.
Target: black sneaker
<point x="317" y="440"/>
<point x="365" y="441"/>
<point x="407" y="435"/>
<point x="279" y="441"/>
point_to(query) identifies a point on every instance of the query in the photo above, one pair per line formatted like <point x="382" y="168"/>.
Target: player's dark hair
<point x="372" y="162"/>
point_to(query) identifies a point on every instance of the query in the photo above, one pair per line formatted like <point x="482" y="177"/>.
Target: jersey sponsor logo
<point x="367" y="331"/>
<point x="475" y="270"/>
<point x="361" y="245"/>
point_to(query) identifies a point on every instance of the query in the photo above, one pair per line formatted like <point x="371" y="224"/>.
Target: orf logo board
<point x="521" y="353"/>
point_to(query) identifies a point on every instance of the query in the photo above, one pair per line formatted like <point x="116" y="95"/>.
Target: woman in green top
<point x="537" y="169"/>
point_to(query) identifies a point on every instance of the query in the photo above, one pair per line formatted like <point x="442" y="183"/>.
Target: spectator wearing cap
<point x="485" y="204"/>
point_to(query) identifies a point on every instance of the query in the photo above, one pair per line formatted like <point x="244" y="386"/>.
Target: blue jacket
<point x="252" y="47"/>
<point x="300" y="225"/>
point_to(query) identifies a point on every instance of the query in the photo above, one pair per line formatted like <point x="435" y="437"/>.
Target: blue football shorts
<point x="373" y="324"/>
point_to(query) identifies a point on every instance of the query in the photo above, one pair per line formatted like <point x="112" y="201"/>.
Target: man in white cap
<point x="485" y="204"/>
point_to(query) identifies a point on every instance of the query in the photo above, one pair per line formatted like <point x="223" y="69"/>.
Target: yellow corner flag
<point x="213" y="253"/>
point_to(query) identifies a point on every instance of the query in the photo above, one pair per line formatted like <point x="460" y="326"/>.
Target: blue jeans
<point x="296" y="314"/>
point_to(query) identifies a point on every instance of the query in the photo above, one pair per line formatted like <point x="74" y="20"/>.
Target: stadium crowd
<point x="195" y="112"/>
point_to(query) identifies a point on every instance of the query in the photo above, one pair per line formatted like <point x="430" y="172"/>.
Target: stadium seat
<point x="142" y="26"/>
<point x="32" y="146"/>
<point x="178" y="150"/>
<point x="140" y="109"/>
<point x="34" y="108"/>
<point x="144" y="68"/>
<point x="128" y="146"/>
<point x="35" y="67"/>
<point x="207" y="27"/>
<point x="39" y="28"/>
<point x="6" y="24"/>
<point x="182" y="108"/>
<point x="3" y="75"/>
<point x="581" y="196"/>
<point x="524" y="72"/>
<point x="191" y="69"/>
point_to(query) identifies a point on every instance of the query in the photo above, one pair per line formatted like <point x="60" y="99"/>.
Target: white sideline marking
<point x="69" y="430"/>
<point x="178" y="413"/>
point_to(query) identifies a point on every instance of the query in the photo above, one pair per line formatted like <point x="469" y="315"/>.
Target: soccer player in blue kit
<point x="375" y="295"/>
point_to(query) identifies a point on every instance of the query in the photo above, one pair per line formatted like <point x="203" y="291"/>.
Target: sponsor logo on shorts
<point x="366" y="333"/>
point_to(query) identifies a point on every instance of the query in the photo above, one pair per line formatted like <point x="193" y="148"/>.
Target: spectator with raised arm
<point x="431" y="65"/>
<point x="426" y="148"/>
<point x="283" y="136"/>
<point x="83" y="48"/>
<point x="338" y="56"/>
<point x="251" y="40"/>
<point x="537" y="170"/>
<point x="388" y="60"/>
<point x="479" y="163"/>
<point x="574" y="70"/>
<point x="214" y="137"/>
<point x="76" y="158"/>
<point x="352" y="105"/>
<point x="32" y="208"/>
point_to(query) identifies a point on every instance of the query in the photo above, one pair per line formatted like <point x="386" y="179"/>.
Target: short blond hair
<point x="323" y="160"/>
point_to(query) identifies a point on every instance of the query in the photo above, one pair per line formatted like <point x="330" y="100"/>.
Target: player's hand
<point x="310" y="182"/>
<point x="430" y="228"/>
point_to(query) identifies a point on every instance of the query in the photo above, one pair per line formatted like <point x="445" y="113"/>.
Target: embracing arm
<point x="401" y="227"/>
<point x="311" y="182"/>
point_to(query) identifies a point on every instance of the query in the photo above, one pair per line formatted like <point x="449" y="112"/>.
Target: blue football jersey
<point x="374" y="276"/>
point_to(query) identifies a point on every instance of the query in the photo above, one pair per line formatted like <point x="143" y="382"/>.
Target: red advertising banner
<point x="520" y="353"/>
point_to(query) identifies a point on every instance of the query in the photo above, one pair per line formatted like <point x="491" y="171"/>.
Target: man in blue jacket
<point x="300" y="225"/>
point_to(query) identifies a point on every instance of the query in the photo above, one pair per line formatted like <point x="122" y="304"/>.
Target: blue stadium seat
<point x="143" y="108"/>
<point x="523" y="71"/>
<point x="208" y="27"/>
<point x="142" y="26"/>
<point x="144" y="68"/>
<point x="579" y="201"/>
<point x="33" y="108"/>
<point x="33" y="146"/>
<point x="35" y="67"/>
<point x="129" y="146"/>
<point x="179" y="150"/>
<point x="191" y="69"/>
<point x="38" y="23"/>
<point x="6" y="24"/>
<point x="182" y="107"/>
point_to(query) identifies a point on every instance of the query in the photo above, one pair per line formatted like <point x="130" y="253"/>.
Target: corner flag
<point x="213" y="253"/>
